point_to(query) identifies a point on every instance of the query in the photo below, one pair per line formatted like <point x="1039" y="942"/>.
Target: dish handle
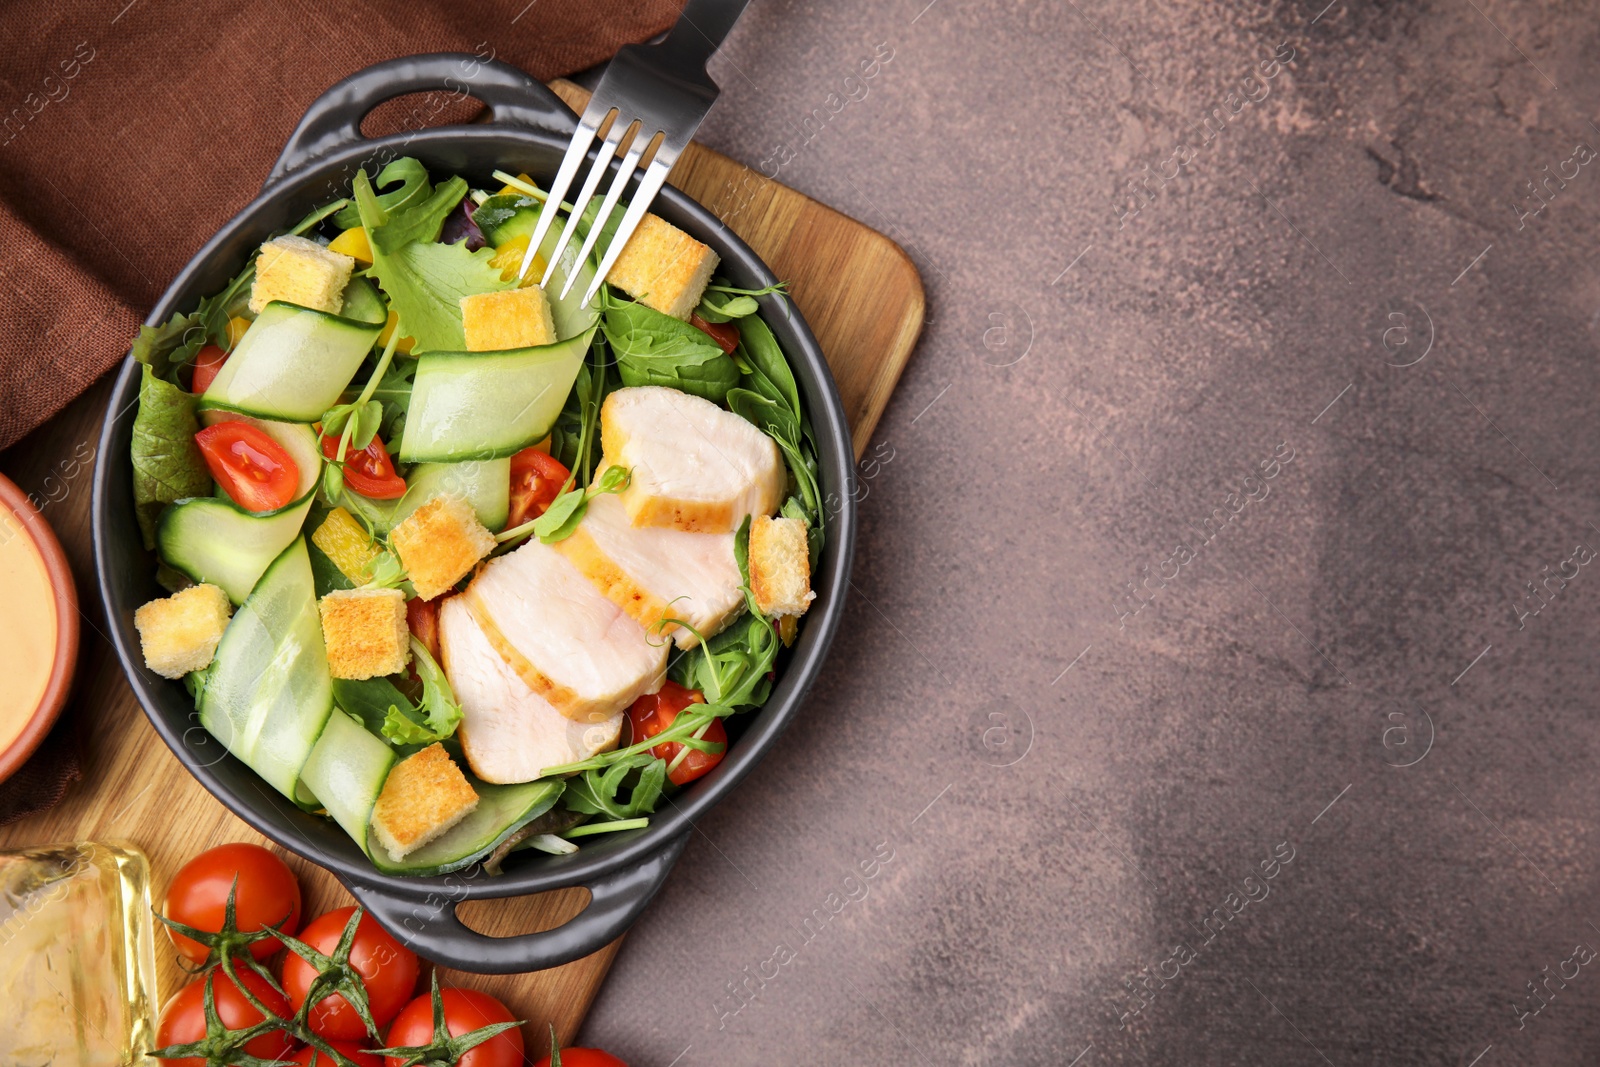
<point x="429" y="927"/>
<point x="334" y="119"/>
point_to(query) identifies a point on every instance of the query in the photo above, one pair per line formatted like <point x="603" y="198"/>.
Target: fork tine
<point x="577" y="151"/>
<point x="608" y="149"/>
<point x="655" y="176"/>
<point x="630" y="163"/>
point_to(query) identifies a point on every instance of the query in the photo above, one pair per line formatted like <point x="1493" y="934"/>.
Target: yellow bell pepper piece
<point x="404" y="344"/>
<point x="513" y="189"/>
<point x="344" y="541"/>
<point x="508" y="257"/>
<point x="236" y="328"/>
<point x="353" y="243"/>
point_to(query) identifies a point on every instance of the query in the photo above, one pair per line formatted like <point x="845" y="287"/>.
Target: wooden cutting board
<point x="863" y="298"/>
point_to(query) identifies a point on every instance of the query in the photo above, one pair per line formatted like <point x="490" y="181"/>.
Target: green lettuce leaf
<point x="424" y="281"/>
<point x="414" y="188"/>
<point x="167" y="348"/>
<point x="167" y="465"/>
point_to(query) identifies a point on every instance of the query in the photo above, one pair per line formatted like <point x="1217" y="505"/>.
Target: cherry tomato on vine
<point x="368" y="471"/>
<point x="257" y="472"/>
<point x="465" y="1010"/>
<point x="655" y="712"/>
<point x="387" y="968"/>
<point x="267" y="893"/>
<point x="536" y="481"/>
<point x="183" y="1020"/>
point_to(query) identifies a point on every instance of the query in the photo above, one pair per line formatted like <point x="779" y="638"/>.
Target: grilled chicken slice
<point x="654" y="573"/>
<point x="695" y="466"/>
<point x="508" y="732"/>
<point x="565" y="640"/>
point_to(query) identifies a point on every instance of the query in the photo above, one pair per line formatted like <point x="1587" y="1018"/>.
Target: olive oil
<point x="77" y="956"/>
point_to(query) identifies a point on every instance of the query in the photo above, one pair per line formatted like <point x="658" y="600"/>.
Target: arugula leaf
<point x="657" y="349"/>
<point x="573" y="438"/>
<point x="732" y="668"/>
<point x="594" y="792"/>
<point x="167" y="465"/>
<point x="424" y="281"/>
<point x="414" y="188"/>
<point x="394" y="393"/>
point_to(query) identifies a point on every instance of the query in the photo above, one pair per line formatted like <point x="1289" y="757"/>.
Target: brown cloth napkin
<point x="130" y="131"/>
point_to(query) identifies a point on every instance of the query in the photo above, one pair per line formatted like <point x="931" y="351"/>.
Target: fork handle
<point x="698" y="33"/>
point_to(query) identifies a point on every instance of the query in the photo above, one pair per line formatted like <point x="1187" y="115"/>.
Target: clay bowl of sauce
<point x="38" y="628"/>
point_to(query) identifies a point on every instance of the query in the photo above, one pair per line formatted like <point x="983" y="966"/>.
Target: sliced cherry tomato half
<point x="369" y="472"/>
<point x="422" y="616"/>
<point x="536" y="481"/>
<point x="267" y="895"/>
<point x="655" y="712"/>
<point x="257" y="472"/>
<point x="584" y="1057"/>
<point x="465" y="1010"/>
<point x="726" y="334"/>
<point x="388" y="971"/>
<point x="207" y="363"/>
<point x="183" y="1020"/>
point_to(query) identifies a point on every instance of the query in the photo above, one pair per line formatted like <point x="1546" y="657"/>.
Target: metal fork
<point x="659" y="93"/>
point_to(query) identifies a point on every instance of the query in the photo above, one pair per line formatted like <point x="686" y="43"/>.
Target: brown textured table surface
<point x="1337" y="679"/>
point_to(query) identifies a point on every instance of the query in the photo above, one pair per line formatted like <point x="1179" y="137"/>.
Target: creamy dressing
<point x="29" y="628"/>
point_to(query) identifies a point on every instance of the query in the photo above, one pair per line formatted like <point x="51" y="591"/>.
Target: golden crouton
<point x="423" y="796"/>
<point x="512" y="318"/>
<point x="780" y="566"/>
<point x="179" y="633"/>
<point x="347" y="544"/>
<point x="300" y="271"/>
<point x="663" y="268"/>
<point x="439" y="543"/>
<point x="365" y="632"/>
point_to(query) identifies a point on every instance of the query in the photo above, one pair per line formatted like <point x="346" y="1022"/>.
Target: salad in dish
<point x="464" y="564"/>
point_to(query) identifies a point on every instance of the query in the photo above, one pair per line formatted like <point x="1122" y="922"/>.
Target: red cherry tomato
<point x="257" y="472"/>
<point x="465" y="1010"/>
<point x="726" y="334"/>
<point x="422" y="616"/>
<point x="369" y="472"/>
<point x="267" y="893"/>
<point x="536" y="481"/>
<point x="388" y="969"/>
<point x="654" y="712"/>
<point x="311" y="1057"/>
<point x="584" y="1057"/>
<point x="183" y="1020"/>
<point x="207" y="362"/>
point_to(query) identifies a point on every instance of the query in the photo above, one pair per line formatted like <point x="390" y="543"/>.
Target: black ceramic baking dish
<point x="528" y="132"/>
